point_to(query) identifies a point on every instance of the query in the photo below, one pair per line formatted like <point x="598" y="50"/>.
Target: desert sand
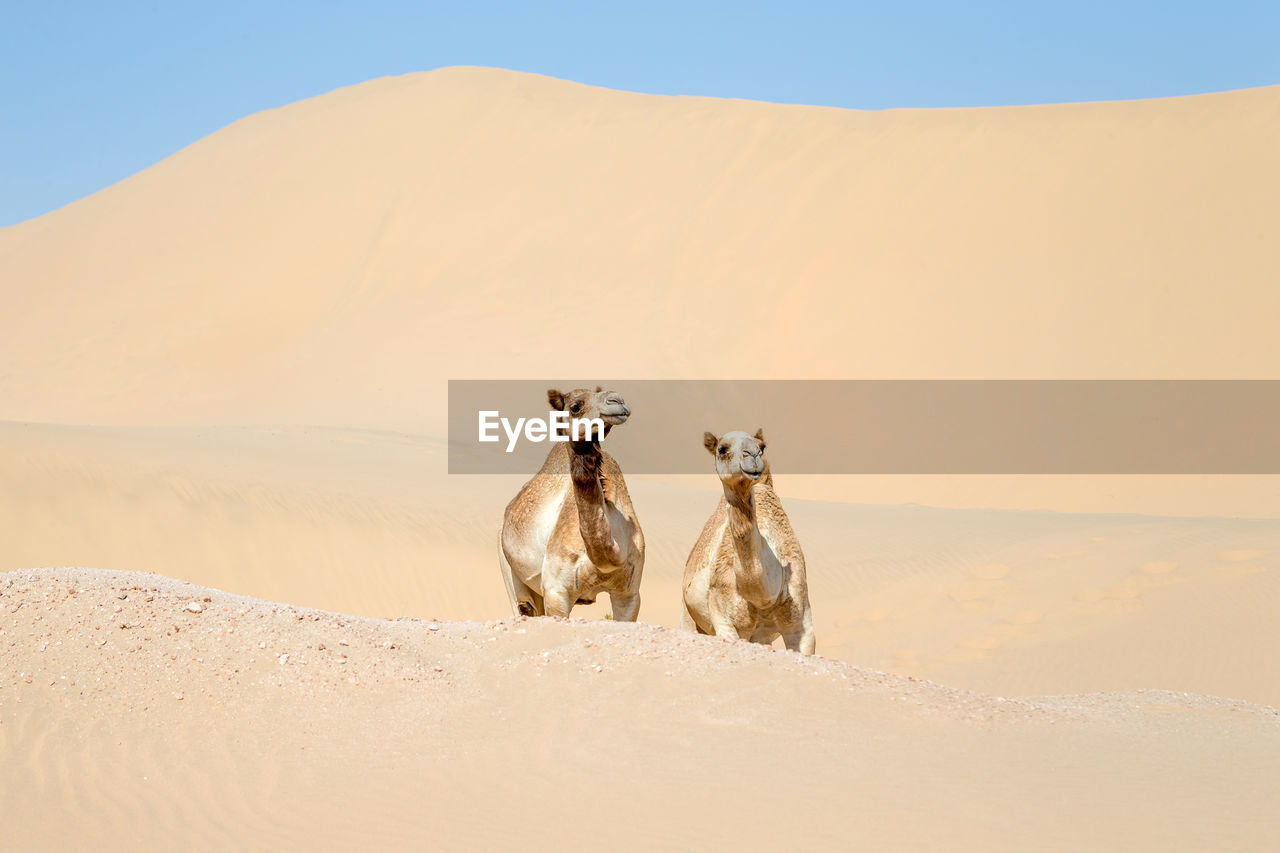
<point x="149" y="713"/>
<point x="229" y="371"/>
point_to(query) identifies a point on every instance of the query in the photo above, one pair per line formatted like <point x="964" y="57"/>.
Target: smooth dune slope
<point x="318" y="261"/>
<point x="333" y="261"/>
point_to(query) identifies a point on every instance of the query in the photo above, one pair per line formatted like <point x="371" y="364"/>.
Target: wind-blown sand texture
<point x="230" y="370"/>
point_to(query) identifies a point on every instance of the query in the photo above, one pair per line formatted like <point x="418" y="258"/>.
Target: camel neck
<point x="585" y="459"/>
<point x="757" y="571"/>
<point x="586" y="463"/>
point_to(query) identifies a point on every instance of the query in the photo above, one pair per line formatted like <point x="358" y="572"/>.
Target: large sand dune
<point x="332" y="262"/>
<point x="230" y="369"/>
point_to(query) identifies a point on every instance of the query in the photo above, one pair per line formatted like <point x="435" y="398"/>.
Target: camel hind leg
<point x="524" y="600"/>
<point x="534" y="607"/>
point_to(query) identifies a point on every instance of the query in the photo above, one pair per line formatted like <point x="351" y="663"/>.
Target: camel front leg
<point x="687" y="622"/>
<point x="725" y="628"/>
<point x="626" y="606"/>
<point x="721" y="612"/>
<point x="559" y="584"/>
<point x="558" y="602"/>
<point x="801" y="638"/>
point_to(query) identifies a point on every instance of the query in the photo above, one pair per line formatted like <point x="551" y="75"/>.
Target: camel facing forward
<point x="571" y="532"/>
<point x="745" y="577"/>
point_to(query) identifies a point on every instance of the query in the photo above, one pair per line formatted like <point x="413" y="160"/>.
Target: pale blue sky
<point x="93" y="92"/>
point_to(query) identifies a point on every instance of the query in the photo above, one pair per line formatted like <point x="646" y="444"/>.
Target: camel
<point x="571" y="533"/>
<point x="745" y="578"/>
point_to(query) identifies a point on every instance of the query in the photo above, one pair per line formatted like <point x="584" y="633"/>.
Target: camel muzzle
<point x="615" y="414"/>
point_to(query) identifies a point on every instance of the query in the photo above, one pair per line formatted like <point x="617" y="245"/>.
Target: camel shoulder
<point x="550" y="483"/>
<point x="557" y="461"/>
<point x="702" y="555"/>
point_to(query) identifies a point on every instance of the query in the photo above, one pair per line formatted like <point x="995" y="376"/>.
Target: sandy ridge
<point x="244" y="642"/>
<point x="326" y="648"/>
<point x="159" y="710"/>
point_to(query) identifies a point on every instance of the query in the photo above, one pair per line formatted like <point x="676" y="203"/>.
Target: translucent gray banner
<point x="895" y="426"/>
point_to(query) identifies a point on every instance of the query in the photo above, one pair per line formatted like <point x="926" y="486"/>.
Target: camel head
<point x="585" y="404"/>
<point x="740" y="461"/>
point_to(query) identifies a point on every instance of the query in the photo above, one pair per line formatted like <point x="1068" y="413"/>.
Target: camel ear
<point x="709" y="441"/>
<point x="760" y="437"/>
<point x="556" y="399"/>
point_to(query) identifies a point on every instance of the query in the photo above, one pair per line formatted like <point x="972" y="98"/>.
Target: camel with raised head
<point x="745" y="577"/>
<point x="571" y="532"/>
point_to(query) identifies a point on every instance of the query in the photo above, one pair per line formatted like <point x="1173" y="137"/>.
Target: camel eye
<point x="576" y="408"/>
<point x="724" y="450"/>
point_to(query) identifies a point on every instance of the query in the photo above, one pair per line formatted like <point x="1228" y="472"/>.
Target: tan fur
<point x="571" y="532"/>
<point x="745" y="577"/>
